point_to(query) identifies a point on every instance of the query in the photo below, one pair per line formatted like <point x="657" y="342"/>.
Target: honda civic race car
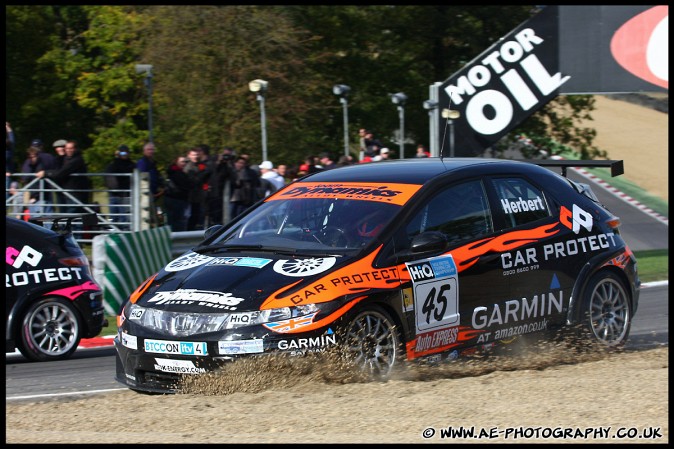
<point x="392" y="262"/>
<point x="52" y="299"/>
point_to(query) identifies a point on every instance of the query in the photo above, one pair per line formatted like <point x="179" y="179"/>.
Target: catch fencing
<point x="121" y="262"/>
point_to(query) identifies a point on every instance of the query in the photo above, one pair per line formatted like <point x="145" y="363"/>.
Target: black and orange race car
<point x="393" y="261"/>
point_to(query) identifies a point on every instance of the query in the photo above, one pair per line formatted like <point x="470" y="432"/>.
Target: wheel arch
<point x="575" y="311"/>
<point x="392" y="305"/>
<point x="23" y="304"/>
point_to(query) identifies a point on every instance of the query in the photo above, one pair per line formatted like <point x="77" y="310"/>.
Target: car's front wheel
<point x="373" y="342"/>
<point x="50" y="330"/>
<point x="606" y="314"/>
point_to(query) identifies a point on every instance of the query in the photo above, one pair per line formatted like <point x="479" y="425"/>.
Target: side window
<point x="461" y="212"/>
<point x="520" y="201"/>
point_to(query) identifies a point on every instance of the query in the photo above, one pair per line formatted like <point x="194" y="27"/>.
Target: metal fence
<point x="130" y="210"/>
<point x="126" y="244"/>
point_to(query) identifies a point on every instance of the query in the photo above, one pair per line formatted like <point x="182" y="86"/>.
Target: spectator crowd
<point x="188" y="193"/>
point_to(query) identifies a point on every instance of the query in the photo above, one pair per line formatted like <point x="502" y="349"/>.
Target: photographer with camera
<point x="223" y="167"/>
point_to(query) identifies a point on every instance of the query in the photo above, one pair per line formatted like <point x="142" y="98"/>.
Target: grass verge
<point x="628" y="188"/>
<point x="653" y="265"/>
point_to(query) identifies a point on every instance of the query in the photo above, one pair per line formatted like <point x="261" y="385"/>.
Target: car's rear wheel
<point x="373" y="342"/>
<point x="606" y="314"/>
<point x="50" y="330"/>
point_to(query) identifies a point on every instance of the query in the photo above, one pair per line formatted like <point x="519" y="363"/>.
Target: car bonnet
<point x="201" y="283"/>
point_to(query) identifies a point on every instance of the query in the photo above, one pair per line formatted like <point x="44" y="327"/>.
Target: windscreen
<point x="311" y="223"/>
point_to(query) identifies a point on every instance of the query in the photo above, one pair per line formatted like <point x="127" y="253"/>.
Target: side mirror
<point x="426" y="244"/>
<point x="429" y="242"/>
<point x="212" y="230"/>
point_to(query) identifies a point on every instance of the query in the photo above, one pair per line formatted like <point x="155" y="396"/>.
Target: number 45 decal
<point x="436" y="304"/>
<point x="436" y="292"/>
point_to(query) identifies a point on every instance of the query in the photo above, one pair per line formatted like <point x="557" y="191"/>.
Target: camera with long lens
<point x="226" y="157"/>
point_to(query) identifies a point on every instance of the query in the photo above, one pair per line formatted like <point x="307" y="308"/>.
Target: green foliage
<point x="555" y="129"/>
<point x="236" y="45"/>
<point x="40" y="98"/>
<point x="70" y="74"/>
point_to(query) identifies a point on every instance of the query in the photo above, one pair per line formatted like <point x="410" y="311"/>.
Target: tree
<point x="101" y="58"/>
<point x="204" y="58"/>
<point x="384" y="49"/>
<point x="70" y="74"/>
<point x="40" y="99"/>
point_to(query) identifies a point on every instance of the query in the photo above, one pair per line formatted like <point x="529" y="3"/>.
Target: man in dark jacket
<point x="216" y="186"/>
<point x="118" y="182"/>
<point x="244" y="182"/>
<point x="36" y="162"/>
<point x="147" y="164"/>
<point x="199" y="168"/>
<point x="10" y="142"/>
<point x="178" y="187"/>
<point x="78" y="187"/>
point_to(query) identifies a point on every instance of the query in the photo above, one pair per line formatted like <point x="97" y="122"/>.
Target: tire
<point x="50" y="330"/>
<point x="373" y="342"/>
<point x="606" y="312"/>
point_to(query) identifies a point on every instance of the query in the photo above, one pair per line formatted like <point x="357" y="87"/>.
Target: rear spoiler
<point x="616" y="167"/>
<point x="62" y="224"/>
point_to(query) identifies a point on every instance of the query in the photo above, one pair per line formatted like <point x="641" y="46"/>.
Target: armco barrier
<point x="122" y="261"/>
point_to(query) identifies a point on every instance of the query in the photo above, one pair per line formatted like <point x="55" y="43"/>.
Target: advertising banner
<point x="561" y="50"/>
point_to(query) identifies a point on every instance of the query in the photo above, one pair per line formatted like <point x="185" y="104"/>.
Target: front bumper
<point x="150" y="372"/>
<point x="162" y="373"/>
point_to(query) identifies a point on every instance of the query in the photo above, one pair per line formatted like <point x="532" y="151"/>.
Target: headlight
<point x="237" y="320"/>
<point x="181" y="324"/>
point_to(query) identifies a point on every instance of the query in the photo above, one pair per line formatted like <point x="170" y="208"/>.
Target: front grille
<point x="164" y="381"/>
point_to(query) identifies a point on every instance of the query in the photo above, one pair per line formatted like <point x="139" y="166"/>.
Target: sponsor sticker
<point x="253" y="262"/>
<point x="129" y="341"/>
<point x="31" y="257"/>
<point x="303" y="267"/>
<point x="514" y="206"/>
<point x="519" y="309"/>
<point x="240" y="347"/>
<point x="243" y="318"/>
<point x="290" y="324"/>
<point x="17" y="258"/>
<point x="187" y="261"/>
<point x="215" y="300"/>
<point x="436" y="292"/>
<point x="369" y="191"/>
<point x="176" y="347"/>
<point x="408" y="300"/>
<point x="136" y="314"/>
<point x="320" y="342"/>
<point x="434" y="340"/>
<point x="178" y="366"/>
<point x="575" y="219"/>
<point x="43" y="276"/>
